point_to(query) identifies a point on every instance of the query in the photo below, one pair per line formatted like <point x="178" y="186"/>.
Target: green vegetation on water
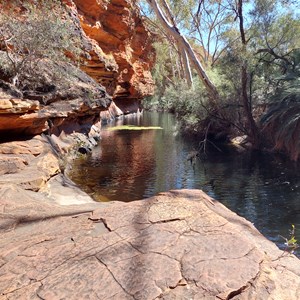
<point x="132" y="127"/>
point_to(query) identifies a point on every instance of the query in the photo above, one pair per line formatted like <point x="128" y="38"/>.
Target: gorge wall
<point x="115" y="29"/>
<point x="115" y="69"/>
<point x="120" y="49"/>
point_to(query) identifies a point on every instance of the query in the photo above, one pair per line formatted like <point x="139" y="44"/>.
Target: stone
<point x="63" y="191"/>
<point x="22" y="124"/>
<point x="112" y="112"/>
<point x="28" y="164"/>
<point x="34" y="146"/>
<point x="177" y="245"/>
<point x="118" y="57"/>
<point x="9" y="91"/>
<point x="15" y="106"/>
<point x="19" y="206"/>
<point x="11" y="164"/>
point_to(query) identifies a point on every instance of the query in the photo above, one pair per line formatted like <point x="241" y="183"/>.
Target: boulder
<point x="177" y="245"/>
<point x="28" y="164"/>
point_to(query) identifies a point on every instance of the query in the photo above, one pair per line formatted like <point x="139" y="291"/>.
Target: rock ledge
<point x="177" y="245"/>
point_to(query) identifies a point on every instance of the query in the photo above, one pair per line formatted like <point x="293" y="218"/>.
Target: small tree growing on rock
<point x="32" y="32"/>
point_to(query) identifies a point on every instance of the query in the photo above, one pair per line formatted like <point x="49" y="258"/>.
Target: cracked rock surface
<point x="177" y="245"/>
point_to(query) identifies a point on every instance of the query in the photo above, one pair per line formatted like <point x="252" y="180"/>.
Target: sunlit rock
<point x="121" y="51"/>
<point x="177" y="245"/>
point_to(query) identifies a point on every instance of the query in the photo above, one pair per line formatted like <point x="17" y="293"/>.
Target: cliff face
<point x="121" y="53"/>
<point x="118" y="56"/>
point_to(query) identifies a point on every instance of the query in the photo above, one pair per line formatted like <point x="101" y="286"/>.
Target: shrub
<point x="31" y="33"/>
<point x="281" y="123"/>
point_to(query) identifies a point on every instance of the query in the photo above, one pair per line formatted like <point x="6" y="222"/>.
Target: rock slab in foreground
<point x="177" y="245"/>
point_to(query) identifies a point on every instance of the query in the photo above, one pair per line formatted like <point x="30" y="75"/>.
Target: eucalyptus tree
<point x="209" y="21"/>
<point x="167" y="20"/>
<point x="258" y="46"/>
<point x="237" y="38"/>
<point x="213" y="22"/>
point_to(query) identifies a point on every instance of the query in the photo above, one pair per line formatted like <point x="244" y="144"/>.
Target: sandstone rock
<point x="28" y="179"/>
<point x="63" y="191"/>
<point x="22" y="124"/>
<point x="177" y="245"/>
<point x="9" y="91"/>
<point x="9" y="106"/>
<point x="32" y="168"/>
<point x="119" y="58"/>
<point x="112" y="112"/>
<point x="20" y="206"/>
<point x="11" y="164"/>
<point x="75" y="97"/>
<point x="34" y="146"/>
<point x="120" y="47"/>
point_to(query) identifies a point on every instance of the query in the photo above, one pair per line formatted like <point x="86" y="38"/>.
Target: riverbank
<point x="35" y="165"/>
<point x="132" y="165"/>
<point x="56" y="242"/>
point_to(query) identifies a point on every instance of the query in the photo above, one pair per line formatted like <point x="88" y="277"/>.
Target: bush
<point x="31" y="33"/>
<point x="196" y="112"/>
<point x="281" y="123"/>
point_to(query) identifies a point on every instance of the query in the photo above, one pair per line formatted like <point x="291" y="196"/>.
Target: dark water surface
<point x="130" y="165"/>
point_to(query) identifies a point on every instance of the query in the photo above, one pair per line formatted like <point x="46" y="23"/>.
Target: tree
<point x="246" y="43"/>
<point x="31" y="33"/>
<point x="184" y="45"/>
<point x="210" y="19"/>
<point x="253" y="130"/>
<point x="281" y="124"/>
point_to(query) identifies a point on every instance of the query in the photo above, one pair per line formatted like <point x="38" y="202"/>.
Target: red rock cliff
<point x="121" y="53"/>
<point x="118" y="55"/>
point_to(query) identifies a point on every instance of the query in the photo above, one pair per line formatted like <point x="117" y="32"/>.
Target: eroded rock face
<point x="120" y="47"/>
<point x="75" y="98"/>
<point x="177" y="245"/>
<point x="120" y="56"/>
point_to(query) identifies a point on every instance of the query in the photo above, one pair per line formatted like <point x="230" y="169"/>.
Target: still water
<point x="130" y="165"/>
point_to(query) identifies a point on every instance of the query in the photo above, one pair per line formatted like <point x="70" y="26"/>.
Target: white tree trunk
<point x="183" y="43"/>
<point x="187" y="68"/>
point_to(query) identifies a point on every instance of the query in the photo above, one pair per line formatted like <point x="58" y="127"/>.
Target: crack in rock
<point x="113" y="276"/>
<point x="249" y="283"/>
<point x="101" y="220"/>
<point x="167" y="221"/>
<point x="236" y="292"/>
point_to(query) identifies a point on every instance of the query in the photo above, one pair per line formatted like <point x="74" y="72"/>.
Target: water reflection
<point x="131" y="165"/>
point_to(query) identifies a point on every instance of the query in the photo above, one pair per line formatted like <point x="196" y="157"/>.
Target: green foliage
<point x="132" y="127"/>
<point x="282" y="121"/>
<point x="193" y="107"/>
<point x="165" y="65"/>
<point x="32" y="32"/>
<point x="251" y="60"/>
<point x="291" y="242"/>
